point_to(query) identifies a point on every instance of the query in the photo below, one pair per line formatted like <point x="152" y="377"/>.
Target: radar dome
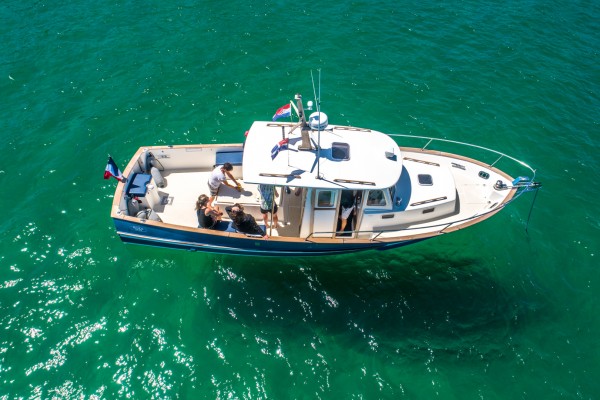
<point x="318" y="120"/>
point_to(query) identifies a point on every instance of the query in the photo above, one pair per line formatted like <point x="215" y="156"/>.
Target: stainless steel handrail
<point x="502" y="155"/>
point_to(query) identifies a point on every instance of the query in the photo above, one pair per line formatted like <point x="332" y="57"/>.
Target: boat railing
<point x="498" y="155"/>
<point x="521" y="183"/>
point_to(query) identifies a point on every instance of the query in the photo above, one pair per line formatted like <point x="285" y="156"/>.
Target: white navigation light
<point x="318" y="120"/>
<point x="309" y="105"/>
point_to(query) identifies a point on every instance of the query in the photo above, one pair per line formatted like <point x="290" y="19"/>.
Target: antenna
<point x="313" y="83"/>
<point x="318" y="101"/>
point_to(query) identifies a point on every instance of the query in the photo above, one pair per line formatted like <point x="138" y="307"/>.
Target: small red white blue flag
<point x="112" y="170"/>
<point x="282" y="145"/>
<point x="282" y="112"/>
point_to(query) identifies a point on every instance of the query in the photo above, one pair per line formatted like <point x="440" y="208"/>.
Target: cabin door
<point x="324" y="213"/>
<point x="358" y="212"/>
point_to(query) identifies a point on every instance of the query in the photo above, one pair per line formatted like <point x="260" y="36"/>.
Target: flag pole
<point x="272" y="209"/>
<point x="294" y="107"/>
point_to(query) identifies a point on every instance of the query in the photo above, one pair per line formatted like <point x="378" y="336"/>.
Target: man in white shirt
<point x="218" y="177"/>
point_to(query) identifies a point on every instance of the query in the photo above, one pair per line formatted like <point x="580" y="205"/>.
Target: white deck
<point x="475" y="197"/>
<point x="176" y="203"/>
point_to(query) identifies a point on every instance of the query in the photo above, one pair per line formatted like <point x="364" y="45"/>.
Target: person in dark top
<point x="207" y="216"/>
<point x="242" y="222"/>
<point x="347" y="206"/>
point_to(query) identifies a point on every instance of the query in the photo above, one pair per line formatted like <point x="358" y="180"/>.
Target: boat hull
<point x="158" y="236"/>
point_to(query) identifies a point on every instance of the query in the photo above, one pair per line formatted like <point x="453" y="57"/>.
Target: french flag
<point x="282" y="112"/>
<point x="282" y="145"/>
<point x="112" y="170"/>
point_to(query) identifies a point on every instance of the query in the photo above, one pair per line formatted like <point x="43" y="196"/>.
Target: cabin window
<point x="340" y="151"/>
<point x="376" y="198"/>
<point x="326" y="198"/>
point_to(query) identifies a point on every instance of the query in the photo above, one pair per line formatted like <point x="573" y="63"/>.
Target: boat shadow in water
<point x="389" y="298"/>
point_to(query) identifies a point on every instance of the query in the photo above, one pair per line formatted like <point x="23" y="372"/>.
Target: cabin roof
<point x="374" y="159"/>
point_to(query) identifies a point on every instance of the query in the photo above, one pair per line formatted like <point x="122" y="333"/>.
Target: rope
<point x="531" y="210"/>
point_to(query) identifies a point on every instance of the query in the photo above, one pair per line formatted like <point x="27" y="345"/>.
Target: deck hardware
<point x="280" y="175"/>
<point x="419" y="203"/>
<point x="422" y="161"/>
<point x="354" y="182"/>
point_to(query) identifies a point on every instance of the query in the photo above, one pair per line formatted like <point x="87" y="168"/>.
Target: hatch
<point x="340" y="151"/>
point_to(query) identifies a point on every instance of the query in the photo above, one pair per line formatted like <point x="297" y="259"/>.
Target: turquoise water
<point x="490" y="312"/>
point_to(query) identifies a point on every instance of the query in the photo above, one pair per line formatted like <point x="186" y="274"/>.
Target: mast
<point x="318" y="100"/>
<point x="305" y="145"/>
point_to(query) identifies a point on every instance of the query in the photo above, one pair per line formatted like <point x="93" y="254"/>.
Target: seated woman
<point x="207" y="216"/>
<point x="242" y="222"/>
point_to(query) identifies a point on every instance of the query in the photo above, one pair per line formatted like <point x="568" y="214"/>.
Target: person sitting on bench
<point x="207" y="215"/>
<point x="242" y="222"/>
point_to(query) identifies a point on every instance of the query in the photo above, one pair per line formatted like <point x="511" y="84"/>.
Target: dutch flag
<point x="282" y="145"/>
<point x="282" y="112"/>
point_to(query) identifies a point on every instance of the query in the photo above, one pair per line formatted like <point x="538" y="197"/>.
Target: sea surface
<point x="496" y="311"/>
